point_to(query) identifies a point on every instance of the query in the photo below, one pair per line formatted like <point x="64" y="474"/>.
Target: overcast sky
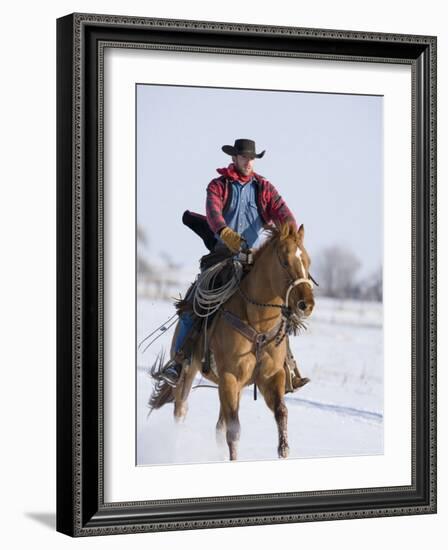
<point x="324" y="153"/>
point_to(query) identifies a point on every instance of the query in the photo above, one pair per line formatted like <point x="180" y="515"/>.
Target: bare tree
<point x="371" y="288"/>
<point x="336" y="268"/>
<point x="141" y="236"/>
<point x="142" y="243"/>
<point x="377" y="285"/>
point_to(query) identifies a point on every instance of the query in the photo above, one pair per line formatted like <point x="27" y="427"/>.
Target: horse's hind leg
<point x="229" y="395"/>
<point x="274" y="396"/>
<point x="182" y="391"/>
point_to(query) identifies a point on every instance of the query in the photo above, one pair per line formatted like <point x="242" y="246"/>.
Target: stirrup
<point x="171" y="374"/>
<point x="293" y="380"/>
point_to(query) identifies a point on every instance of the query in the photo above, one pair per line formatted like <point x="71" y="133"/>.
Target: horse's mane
<point x="276" y="234"/>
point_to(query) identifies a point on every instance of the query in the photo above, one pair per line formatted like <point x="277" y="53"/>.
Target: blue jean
<point x="185" y="324"/>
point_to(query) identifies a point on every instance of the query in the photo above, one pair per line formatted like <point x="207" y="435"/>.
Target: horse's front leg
<point x="281" y="417"/>
<point x="273" y="390"/>
<point x="229" y="395"/>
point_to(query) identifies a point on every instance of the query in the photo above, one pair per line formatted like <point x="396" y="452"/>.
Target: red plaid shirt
<point x="271" y="206"/>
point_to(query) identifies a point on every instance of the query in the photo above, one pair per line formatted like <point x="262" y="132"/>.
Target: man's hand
<point x="231" y="239"/>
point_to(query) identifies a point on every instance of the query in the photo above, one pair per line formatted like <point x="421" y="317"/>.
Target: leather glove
<point x="231" y="239"/>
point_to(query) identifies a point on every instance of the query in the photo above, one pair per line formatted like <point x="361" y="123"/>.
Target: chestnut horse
<point x="251" y="349"/>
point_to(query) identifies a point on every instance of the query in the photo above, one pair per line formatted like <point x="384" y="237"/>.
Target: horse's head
<point x="290" y="271"/>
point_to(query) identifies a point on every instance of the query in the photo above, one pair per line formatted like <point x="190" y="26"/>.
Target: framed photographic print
<point x="246" y="274"/>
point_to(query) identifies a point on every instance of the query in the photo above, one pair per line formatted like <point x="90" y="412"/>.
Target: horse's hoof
<point x="180" y="418"/>
<point x="283" y="452"/>
<point x="232" y="456"/>
<point x="232" y="453"/>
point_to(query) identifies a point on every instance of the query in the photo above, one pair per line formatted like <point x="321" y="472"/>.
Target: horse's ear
<point x="301" y="232"/>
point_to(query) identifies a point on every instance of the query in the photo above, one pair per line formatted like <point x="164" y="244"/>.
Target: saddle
<point x="198" y="224"/>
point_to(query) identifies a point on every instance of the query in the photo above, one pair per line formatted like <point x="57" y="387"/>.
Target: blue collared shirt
<point x="242" y="214"/>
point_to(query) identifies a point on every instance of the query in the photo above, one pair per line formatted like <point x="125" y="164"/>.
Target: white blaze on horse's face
<point x="299" y="257"/>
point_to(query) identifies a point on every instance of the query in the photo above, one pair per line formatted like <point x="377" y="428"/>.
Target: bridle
<point x="295" y="282"/>
<point x="286" y="311"/>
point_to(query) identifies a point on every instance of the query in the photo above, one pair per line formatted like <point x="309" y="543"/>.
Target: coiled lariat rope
<point x="207" y="299"/>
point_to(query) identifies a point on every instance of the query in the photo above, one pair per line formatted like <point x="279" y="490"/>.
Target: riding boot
<point x="294" y="380"/>
<point x="188" y="332"/>
<point x="171" y="373"/>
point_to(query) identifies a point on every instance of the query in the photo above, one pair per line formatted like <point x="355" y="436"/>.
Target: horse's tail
<point x="162" y="393"/>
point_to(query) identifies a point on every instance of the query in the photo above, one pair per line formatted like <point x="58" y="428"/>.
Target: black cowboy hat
<point x="242" y="147"/>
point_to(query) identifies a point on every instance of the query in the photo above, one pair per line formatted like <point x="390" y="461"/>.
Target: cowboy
<point x="239" y="204"/>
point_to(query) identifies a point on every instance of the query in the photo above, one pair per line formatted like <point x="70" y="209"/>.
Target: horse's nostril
<point x="302" y="305"/>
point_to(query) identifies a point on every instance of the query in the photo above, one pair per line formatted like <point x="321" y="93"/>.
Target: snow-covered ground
<point x="339" y="413"/>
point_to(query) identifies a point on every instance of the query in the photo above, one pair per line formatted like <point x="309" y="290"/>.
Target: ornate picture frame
<point x="81" y="506"/>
